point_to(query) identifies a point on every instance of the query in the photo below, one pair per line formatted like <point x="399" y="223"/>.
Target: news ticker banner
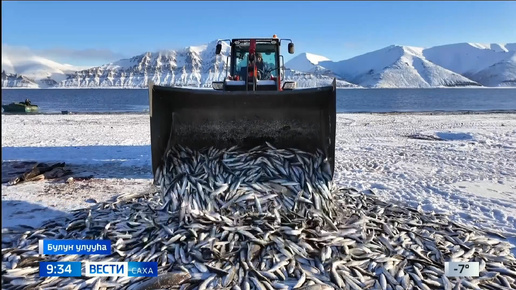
<point x="146" y="269"/>
<point x="150" y="269"/>
<point x="94" y="269"/>
<point x="89" y="247"/>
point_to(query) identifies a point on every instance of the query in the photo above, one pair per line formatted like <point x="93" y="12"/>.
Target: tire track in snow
<point x="375" y="153"/>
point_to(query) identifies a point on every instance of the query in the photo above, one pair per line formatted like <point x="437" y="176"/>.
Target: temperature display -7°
<point x="461" y="269"/>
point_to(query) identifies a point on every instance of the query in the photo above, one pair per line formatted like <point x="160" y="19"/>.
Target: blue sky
<point x="97" y="32"/>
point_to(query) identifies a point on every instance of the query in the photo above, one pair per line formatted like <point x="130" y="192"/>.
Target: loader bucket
<point x="199" y="118"/>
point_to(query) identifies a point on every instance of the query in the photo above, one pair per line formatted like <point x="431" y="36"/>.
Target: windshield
<point x="268" y="53"/>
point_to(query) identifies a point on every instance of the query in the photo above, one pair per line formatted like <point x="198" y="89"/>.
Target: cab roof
<point x="258" y="40"/>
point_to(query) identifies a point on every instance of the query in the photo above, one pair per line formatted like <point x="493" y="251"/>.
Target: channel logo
<point x="124" y="269"/>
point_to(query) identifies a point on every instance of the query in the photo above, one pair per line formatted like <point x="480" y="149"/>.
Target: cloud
<point x="16" y="51"/>
<point x="83" y="54"/>
<point x="23" y="60"/>
<point x="80" y="57"/>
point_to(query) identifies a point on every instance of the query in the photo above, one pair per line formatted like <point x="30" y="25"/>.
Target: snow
<point x="468" y="172"/>
<point x="468" y="58"/>
<point x="314" y="58"/>
<point x="459" y="164"/>
<point x="394" y="67"/>
<point x="499" y="74"/>
<point x="191" y="66"/>
<point x="200" y="48"/>
<point x="498" y="47"/>
<point x="311" y="80"/>
<point x="375" y="60"/>
<point x="306" y="62"/>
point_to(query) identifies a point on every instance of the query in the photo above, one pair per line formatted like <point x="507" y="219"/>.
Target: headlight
<point x="217" y="85"/>
<point x="289" y="85"/>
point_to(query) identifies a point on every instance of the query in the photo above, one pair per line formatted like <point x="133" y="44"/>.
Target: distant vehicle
<point x="21" y="107"/>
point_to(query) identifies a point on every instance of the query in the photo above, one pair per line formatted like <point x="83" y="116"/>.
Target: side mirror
<point x="218" y="49"/>
<point x="291" y="48"/>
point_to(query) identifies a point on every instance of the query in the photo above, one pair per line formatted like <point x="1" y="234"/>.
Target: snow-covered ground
<point x="461" y="164"/>
<point x="464" y="165"/>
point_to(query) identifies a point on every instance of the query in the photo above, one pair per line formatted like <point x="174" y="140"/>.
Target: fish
<point x="263" y="218"/>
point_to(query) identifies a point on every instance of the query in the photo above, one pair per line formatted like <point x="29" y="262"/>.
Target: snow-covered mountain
<point x="306" y="71"/>
<point x="197" y="66"/>
<point x="500" y="74"/>
<point x="11" y="80"/>
<point x="396" y="66"/>
<point x="489" y="64"/>
<point x="307" y="62"/>
<point x="469" y="58"/>
<point x="36" y="71"/>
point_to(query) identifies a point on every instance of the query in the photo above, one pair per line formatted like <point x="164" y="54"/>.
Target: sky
<point x="92" y="33"/>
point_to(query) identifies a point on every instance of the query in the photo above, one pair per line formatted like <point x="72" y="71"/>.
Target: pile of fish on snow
<point x="265" y="218"/>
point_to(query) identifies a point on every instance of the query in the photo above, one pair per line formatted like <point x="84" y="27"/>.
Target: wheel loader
<point x="249" y="107"/>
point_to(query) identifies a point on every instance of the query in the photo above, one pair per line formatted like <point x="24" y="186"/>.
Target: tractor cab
<point x="256" y="64"/>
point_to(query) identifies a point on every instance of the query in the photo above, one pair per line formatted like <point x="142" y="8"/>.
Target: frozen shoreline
<point x="436" y="112"/>
<point x="456" y="163"/>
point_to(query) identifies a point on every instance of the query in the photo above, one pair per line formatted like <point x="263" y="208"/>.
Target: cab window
<point x="268" y="52"/>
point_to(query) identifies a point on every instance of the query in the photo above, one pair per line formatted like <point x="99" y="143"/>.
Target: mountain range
<point x="395" y="66"/>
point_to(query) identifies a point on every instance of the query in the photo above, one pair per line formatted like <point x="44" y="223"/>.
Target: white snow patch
<point x="468" y="58"/>
<point x="306" y="62"/>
